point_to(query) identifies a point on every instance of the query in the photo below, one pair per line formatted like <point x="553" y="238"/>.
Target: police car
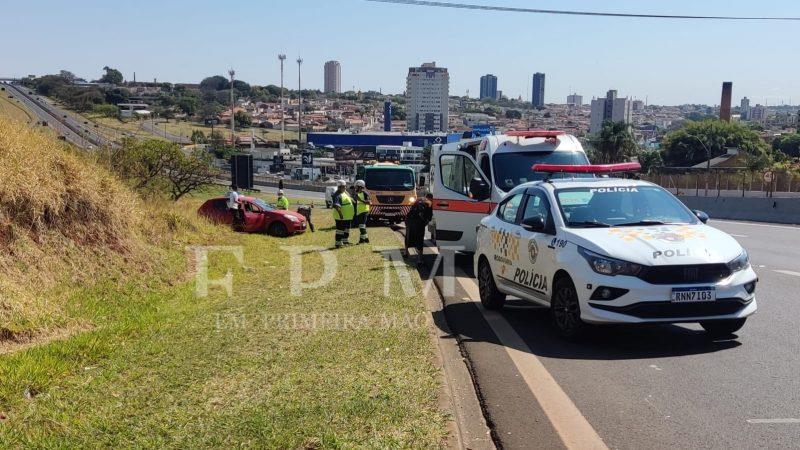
<point x="605" y="250"/>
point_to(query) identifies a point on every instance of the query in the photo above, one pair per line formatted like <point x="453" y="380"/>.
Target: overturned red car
<point x="259" y="216"/>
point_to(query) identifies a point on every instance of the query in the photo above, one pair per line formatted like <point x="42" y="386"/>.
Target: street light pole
<point x="299" y="104"/>
<point x="708" y="159"/>
<point x="282" y="58"/>
<point x="233" y="104"/>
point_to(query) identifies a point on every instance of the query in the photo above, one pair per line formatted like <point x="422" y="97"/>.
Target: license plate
<point x="694" y="294"/>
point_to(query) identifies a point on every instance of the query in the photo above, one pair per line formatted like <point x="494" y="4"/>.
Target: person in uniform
<point x="420" y="214"/>
<point x="282" y="202"/>
<point x="343" y="213"/>
<point x="363" y="203"/>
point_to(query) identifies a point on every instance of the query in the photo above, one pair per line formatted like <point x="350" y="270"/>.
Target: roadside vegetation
<point x="13" y="110"/>
<point x="105" y="342"/>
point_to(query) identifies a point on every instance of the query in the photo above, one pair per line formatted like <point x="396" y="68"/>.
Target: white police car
<point x="611" y="250"/>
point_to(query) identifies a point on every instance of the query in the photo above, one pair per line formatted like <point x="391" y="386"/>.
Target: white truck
<point x="468" y="178"/>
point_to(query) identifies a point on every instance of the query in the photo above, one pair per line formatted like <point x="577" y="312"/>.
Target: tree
<point x="198" y="137"/>
<point x="187" y="173"/>
<point x="142" y="163"/>
<point x="650" y="159"/>
<point x="216" y="139"/>
<point x="68" y="76"/>
<point x="513" y="114"/>
<point x="788" y="144"/>
<point x="614" y="143"/>
<point x="188" y="105"/>
<point x="215" y="83"/>
<point x="106" y="110"/>
<point x="242" y="119"/>
<point x="242" y="87"/>
<point x="112" y="76"/>
<point x="687" y="146"/>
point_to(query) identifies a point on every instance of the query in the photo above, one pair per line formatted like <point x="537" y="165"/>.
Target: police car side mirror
<point x="535" y="224"/>
<point x="701" y="215"/>
<point x="479" y="189"/>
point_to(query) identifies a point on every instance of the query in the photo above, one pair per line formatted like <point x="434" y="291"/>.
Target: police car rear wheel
<point x="565" y="309"/>
<point x="722" y="327"/>
<point x="491" y="298"/>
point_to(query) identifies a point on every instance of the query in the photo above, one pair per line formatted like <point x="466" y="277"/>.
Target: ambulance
<point x="468" y="178"/>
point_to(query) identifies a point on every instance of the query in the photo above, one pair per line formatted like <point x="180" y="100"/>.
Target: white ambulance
<point x="468" y="178"/>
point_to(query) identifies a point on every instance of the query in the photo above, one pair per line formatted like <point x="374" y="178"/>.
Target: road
<point x="154" y="128"/>
<point x="76" y="130"/>
<point x="641" y="387"/>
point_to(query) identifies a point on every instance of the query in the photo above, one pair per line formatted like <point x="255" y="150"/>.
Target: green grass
<point x="161" y="367"/>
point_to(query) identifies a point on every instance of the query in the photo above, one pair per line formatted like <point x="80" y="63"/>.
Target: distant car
<point x="65" y="116"/>
<point x="259" y="217"/>
<point x="63" y="138"/>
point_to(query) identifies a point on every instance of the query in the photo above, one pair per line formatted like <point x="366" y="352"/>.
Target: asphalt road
<point x="642" y="386"/>
<point x="79" y="132"/>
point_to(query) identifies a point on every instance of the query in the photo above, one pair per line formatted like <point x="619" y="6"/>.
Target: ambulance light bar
<point x="588" y="168"/>
<point x="547" y="134"/>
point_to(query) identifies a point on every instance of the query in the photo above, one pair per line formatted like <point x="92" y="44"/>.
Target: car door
<point x="457" y="210"/>
<point x="505" y="247"/>
<point x="253" y="217"/>
<point x="538" y="247"/>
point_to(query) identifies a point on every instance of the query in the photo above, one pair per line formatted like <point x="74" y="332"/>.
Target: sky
<point x="662" y="61"/>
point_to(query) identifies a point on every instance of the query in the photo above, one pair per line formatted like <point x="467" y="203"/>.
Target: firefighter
<point x="363" y="203"/>
<point x="343" y="213"/>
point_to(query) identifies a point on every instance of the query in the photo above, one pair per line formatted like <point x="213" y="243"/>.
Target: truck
<point x="392" y="189"/>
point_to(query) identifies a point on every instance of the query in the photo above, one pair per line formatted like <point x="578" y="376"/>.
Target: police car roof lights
<point x="588" y="168"/>
<point x="548" y="134"/>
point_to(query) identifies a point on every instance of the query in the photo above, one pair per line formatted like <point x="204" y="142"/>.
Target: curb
<point x="468" y="427"/>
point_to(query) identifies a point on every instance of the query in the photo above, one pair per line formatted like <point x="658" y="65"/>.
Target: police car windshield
<point x="589" y="207"/>
<point x="513" y="169"/>
<point x="389" y="179"/>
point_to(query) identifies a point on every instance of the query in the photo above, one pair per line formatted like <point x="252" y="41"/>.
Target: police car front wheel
<point x="491" y="298"/>
<point x="566" y="310"/>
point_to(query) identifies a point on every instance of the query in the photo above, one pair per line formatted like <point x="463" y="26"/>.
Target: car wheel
<point x="277" y="229"/>
<point x="491" y="298"/>
<point x="717" y="328"/>
<point x="565" y="310"/>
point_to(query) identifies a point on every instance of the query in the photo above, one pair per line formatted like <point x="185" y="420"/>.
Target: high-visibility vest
<point x="361" y="206"/>
<point x="346" y="206"/>
<point x="282" y="203"/>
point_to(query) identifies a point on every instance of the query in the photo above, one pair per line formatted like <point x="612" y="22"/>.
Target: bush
<point x="106" y="110"/>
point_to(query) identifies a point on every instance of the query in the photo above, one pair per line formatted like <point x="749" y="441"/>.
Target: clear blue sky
<point x="668" y="61"/>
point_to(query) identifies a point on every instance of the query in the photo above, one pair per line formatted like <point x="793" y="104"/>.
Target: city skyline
<point x="658" y="60"/>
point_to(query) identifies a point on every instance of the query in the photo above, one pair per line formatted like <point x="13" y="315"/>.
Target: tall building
<point x="725" y="103"/>
<point x="744" y="109"/>
<point x="333" y="77"/>
<point x="488" y="87"/>
<point x="637" y="105"/>
<point x="427" y="95"/>
<point x="575" y="100"/>
<point x="537" y="99"/>
<point x="609" y="108"/>
<point x="758" y="113"/>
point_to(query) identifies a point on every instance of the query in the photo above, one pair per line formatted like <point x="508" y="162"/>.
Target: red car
<point x="259" y="217"/>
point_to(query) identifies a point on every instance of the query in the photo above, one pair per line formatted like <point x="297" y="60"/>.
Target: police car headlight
<point x="740" y="263"/>
<point x="609" y="266"/>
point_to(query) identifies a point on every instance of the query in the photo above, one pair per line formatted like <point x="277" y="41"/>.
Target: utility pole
<point x="299" y="104"/>
<point x="282" y="58"/>
<point x="233" y="104"/>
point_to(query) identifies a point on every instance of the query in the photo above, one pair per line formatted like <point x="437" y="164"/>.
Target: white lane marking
<point x="655" y="367"/>
<point x="737" y="235"/>
<point x="787" y="227"/>
<point x="573" y="428"/>
<point x="788" y="272"/>
<point x="789" y="420"/>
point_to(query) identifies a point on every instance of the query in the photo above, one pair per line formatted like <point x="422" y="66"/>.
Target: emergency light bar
<point x="588" y="168"/>
<point x="548" y="134"/>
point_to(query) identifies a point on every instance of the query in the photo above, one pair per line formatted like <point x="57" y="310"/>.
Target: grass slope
<point x="130" y="356"/>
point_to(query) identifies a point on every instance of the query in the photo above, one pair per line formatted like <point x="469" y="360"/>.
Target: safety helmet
<point x="341" y="183"/>
<point x="360" y="183"/>
<point x="280" y="191"/>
